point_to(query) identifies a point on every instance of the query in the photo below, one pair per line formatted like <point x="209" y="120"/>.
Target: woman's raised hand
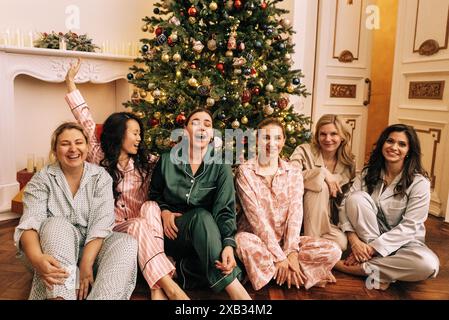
<point x="71" y="73"/>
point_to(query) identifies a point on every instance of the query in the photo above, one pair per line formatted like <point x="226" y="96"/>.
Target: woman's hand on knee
<point x="227" y="263"/>
<point x="50" y="270"/>
<point x="168" y="222"/>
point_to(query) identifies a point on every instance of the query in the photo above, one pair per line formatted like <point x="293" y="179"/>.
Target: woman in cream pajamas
<point x="328" y="167"/>
<point x="385" y="212"/>
<point x="268" y="240"/>
<point x="68" y="220"/>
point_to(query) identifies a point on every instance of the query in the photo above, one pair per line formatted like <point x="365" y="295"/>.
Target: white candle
<point x="8" y="37"/>
<point x="31" y="39"/>
<point x="30" y="163"/>
<point x="39" y="163"/>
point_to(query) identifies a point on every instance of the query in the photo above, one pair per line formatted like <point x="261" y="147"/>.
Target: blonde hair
<point x="58" y="131"/>
<point x="344" y="152"/>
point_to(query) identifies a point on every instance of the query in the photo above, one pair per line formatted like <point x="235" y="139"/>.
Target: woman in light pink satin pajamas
<point x="268" y="239"/>
<point x="121" y="153"/>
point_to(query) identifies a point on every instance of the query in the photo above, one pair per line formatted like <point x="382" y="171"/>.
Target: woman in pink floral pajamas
<point x="268" y="239"/>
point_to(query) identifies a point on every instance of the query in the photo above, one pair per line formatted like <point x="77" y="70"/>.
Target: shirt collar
<point x="283" y="166"/>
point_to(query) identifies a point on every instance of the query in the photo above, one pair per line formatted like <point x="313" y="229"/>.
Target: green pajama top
<point x="175" y="188"/>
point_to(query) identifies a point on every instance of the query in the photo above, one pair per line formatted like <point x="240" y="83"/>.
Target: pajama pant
<point x="197" y="246"/>
<point x="317" y="220"/>
<point x="316" y="256"/>
<point x="147" y="230"/>
<point x="115" y="267"/>
<point x="412" y="262"/>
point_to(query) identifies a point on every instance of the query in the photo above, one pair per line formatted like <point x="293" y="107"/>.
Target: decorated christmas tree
<point x="233" y="57"/>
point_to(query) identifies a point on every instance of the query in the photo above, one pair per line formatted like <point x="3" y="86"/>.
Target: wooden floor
<point x="15" y="280"/>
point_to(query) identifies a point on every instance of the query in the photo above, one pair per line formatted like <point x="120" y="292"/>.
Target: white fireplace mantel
<point x="51" y="66"/>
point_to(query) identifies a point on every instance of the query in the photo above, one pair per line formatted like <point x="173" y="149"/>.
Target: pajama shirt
<point x="393" y="224"/>
<point x="131" y="209"/>
<point x="269" y="229"/>
<point x="66" y="224"/>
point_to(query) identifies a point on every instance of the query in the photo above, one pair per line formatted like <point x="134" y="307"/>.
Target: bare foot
<point x="356" y="270"/>
<point x="171" y="289"/>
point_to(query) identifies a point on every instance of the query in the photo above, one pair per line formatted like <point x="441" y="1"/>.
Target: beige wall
<point x="102" y="20"/>
<point x="40" y="106"/>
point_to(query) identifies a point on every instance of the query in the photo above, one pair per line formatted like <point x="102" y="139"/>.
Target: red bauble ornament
<point x="253" y="71"/>
<point x="283" y="103"/>
<point x="158" y="31"/>
<point x="256" y="91"/>
<point x="238" y="4"/>
<point x="193" y="66"/>
<point x="246" y="96"/>
<point x="153" y="122"/>
<point x="181" y="119"/>
<point x="263" y="5"/>
<point x="170" y="42"/>
<point x="220" y="67"/>
<point x="192" y="11"/>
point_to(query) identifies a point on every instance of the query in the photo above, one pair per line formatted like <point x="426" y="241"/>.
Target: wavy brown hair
<point x="412" y="161"/>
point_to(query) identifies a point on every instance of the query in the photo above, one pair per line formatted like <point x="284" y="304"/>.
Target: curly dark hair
<point x="114" y="129"/>
<point x="412" y="161"/>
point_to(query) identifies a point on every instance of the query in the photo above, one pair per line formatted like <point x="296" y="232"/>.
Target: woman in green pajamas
<point x="196" y="200"/>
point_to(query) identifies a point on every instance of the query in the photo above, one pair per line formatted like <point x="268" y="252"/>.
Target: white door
<point x="420" y="93"/>
<point x="343" y="67"/>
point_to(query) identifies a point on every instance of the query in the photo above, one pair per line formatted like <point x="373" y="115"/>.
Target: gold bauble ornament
<point x="282" y="82"/>
<point x="235" y="124"/>
<point x="143" y="94"/>
<point x="263" y="67"/>
<point x="150" y="29"/>
<point x="292" y="140"/>
<point x="287" y="56"/>
<point x="145" y="28"/>
<point x="157" y="115"/>
<point x="149" y="140"/>
<point x="151" y="86"/>
<point x="213" y="6"/>
<point x="210" y="102"/>
<point x="268" y="110"/>
<point x="140" y="114"/>
<point x="176" y="57"/>
<point x="193" y="82"/>
<point x="178" y="74"/>
<point x="165" y="57"/>
<point x="289" y="128"/>
<point x="174" y="36"/>
<point x="244" y="120"/>
<point x="269" y="87"/>
<point x="192" y="20"/>
<point x="212" y="45"/>
<point x="229" y="54"/>
<point x="290" y="88"/>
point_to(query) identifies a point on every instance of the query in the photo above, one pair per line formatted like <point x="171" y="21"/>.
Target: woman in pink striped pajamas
<point x="123" y="155"/>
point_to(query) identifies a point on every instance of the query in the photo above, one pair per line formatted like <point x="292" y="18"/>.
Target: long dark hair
<point x="114" y="129"/>
<point x="412" y="161"/>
